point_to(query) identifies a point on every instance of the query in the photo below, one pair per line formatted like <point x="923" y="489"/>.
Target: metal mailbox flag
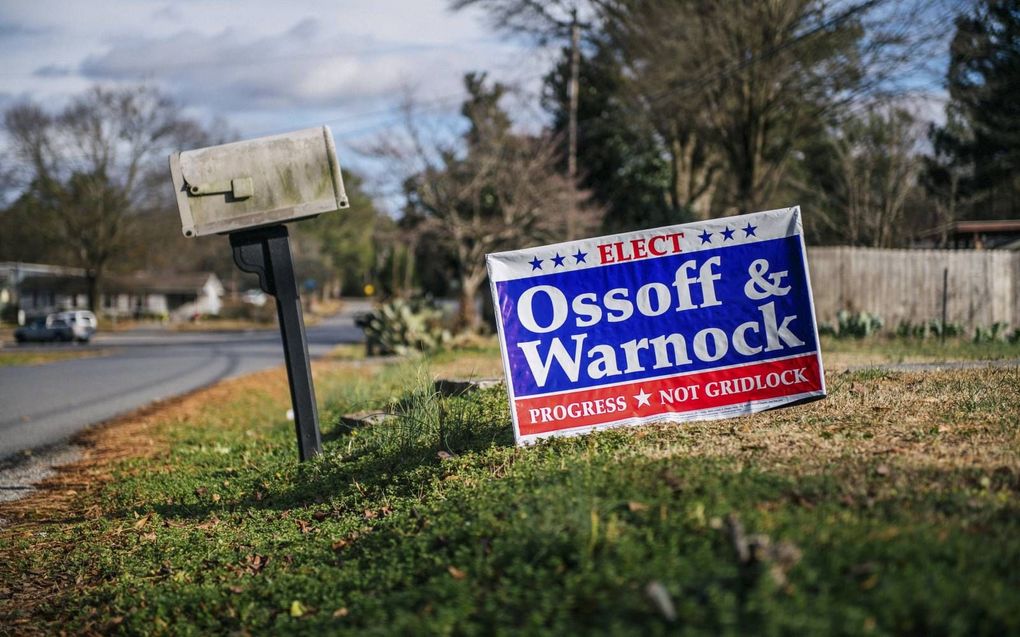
<point x="698" y="321"/>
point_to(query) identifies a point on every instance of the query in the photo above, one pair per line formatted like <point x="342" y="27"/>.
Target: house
<point x="39" y="289"/>
<point x="14" y="274"/>
<point x="999" y="234"/>
<point x="174" y="296"/>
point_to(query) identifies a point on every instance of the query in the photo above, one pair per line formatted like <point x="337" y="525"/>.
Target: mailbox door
<point x="258" y="182"/>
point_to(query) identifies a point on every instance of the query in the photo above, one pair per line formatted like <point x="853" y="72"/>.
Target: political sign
<point x="698" y="321"/>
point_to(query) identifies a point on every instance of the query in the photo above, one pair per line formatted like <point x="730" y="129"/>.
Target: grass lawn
<point x="850" y="352"/>
<point x="891" y="507"/>
<point x="10" y="357"/>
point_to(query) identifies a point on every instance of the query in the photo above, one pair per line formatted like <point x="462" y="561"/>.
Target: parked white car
<point x="82" y="322"/>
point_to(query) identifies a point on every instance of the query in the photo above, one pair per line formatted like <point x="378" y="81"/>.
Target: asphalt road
<point x="45" y="404"/>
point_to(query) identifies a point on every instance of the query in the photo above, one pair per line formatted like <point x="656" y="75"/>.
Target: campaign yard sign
<point x="698" y="321"/>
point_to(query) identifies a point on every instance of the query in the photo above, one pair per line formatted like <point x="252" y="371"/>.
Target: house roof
<point x="155" y="283"/>
<point x="138" y="283"/>
<point x="58" y="284"/>
<point x="986" y="227"/>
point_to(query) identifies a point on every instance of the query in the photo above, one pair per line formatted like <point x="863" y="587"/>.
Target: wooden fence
<point x="907" y="285"/>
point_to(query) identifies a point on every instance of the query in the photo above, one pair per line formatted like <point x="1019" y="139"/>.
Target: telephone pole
<point x="573" y="90"/>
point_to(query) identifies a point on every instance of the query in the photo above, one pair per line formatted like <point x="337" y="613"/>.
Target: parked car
<point x="83" y="323"/>
<point x="43" y="330"/>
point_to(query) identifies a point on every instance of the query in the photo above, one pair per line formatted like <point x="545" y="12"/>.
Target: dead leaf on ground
<point x="455" y="572"/>
<point x="635" y="506"/>
<point x="211" y="523"/>
<point x="255" y="563"/>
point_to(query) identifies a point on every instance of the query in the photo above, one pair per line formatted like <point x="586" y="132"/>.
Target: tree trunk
<point x="92" y="281"/>
<point x="691" y="177"/>
<point x="468" y="319"/>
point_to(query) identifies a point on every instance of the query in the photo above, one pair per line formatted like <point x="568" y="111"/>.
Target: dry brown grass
<point x="943" y="421"/>
<point x="470" y="365"/>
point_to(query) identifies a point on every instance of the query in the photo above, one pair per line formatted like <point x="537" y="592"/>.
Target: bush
<point x="402" y="326"/>
<point x="852" y="325"/>
<point x="9" y="314"/>
<point x="990" y="334"/>
<point x="928" y="329"/>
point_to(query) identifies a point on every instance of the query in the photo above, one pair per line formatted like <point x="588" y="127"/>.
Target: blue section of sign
<point x="641" y="319"/>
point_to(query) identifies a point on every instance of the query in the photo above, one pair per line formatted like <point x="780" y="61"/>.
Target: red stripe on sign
<point x="675" y="394"/>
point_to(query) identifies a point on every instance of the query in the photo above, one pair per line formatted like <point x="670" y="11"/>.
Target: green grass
<point x="437" y="524"/>
<point x="882" y="349"/>
<point x="13" y="358"/>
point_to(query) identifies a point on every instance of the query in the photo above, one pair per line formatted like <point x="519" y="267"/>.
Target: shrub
<point x="402" y="326"/>
<point x="928" y="329"/>
<point x="989" y="334"/>
<point x="852" y="325"/>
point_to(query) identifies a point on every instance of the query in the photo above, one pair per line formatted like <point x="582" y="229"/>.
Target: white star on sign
<point x="642" y="398"/>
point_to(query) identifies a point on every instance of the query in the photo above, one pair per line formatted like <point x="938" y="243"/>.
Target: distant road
<point x="45" y="404"/>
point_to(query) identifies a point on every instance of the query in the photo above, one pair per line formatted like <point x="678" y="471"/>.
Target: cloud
<point x="303" y="66"/>
<point x="14" y="30"/>
<point x="168" y="12"/>
<point x="265" y="66"/>
<point x="54" y="70"/>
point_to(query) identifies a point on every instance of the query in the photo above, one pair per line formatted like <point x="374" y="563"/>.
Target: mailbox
<point x="258" y="182"/>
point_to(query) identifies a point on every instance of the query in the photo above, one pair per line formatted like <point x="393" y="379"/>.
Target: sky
<point x="264" y="67"/>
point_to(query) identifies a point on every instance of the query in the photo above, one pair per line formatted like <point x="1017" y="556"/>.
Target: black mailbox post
<point x="266" y="252"/>
<point x="249" y="190"/>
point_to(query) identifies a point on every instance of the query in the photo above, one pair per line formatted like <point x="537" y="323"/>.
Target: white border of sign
<point x="506" y="266"/>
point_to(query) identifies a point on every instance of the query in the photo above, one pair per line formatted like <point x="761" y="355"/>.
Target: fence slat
<point x="906" y="285"/>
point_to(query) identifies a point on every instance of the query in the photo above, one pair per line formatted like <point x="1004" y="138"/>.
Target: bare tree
<point x="492" y="191"/>
<point x="738" y="85"/>
<point x="547" y="20"/>
<point x="655" y="44"/>
<point x="875" y="166"/>
<point x="87" y="171"/>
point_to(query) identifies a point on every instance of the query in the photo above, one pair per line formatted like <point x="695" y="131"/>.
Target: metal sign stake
<point x="266" y="252"/>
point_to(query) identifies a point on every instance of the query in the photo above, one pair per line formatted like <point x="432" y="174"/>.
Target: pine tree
<point x="977" y="151"/>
